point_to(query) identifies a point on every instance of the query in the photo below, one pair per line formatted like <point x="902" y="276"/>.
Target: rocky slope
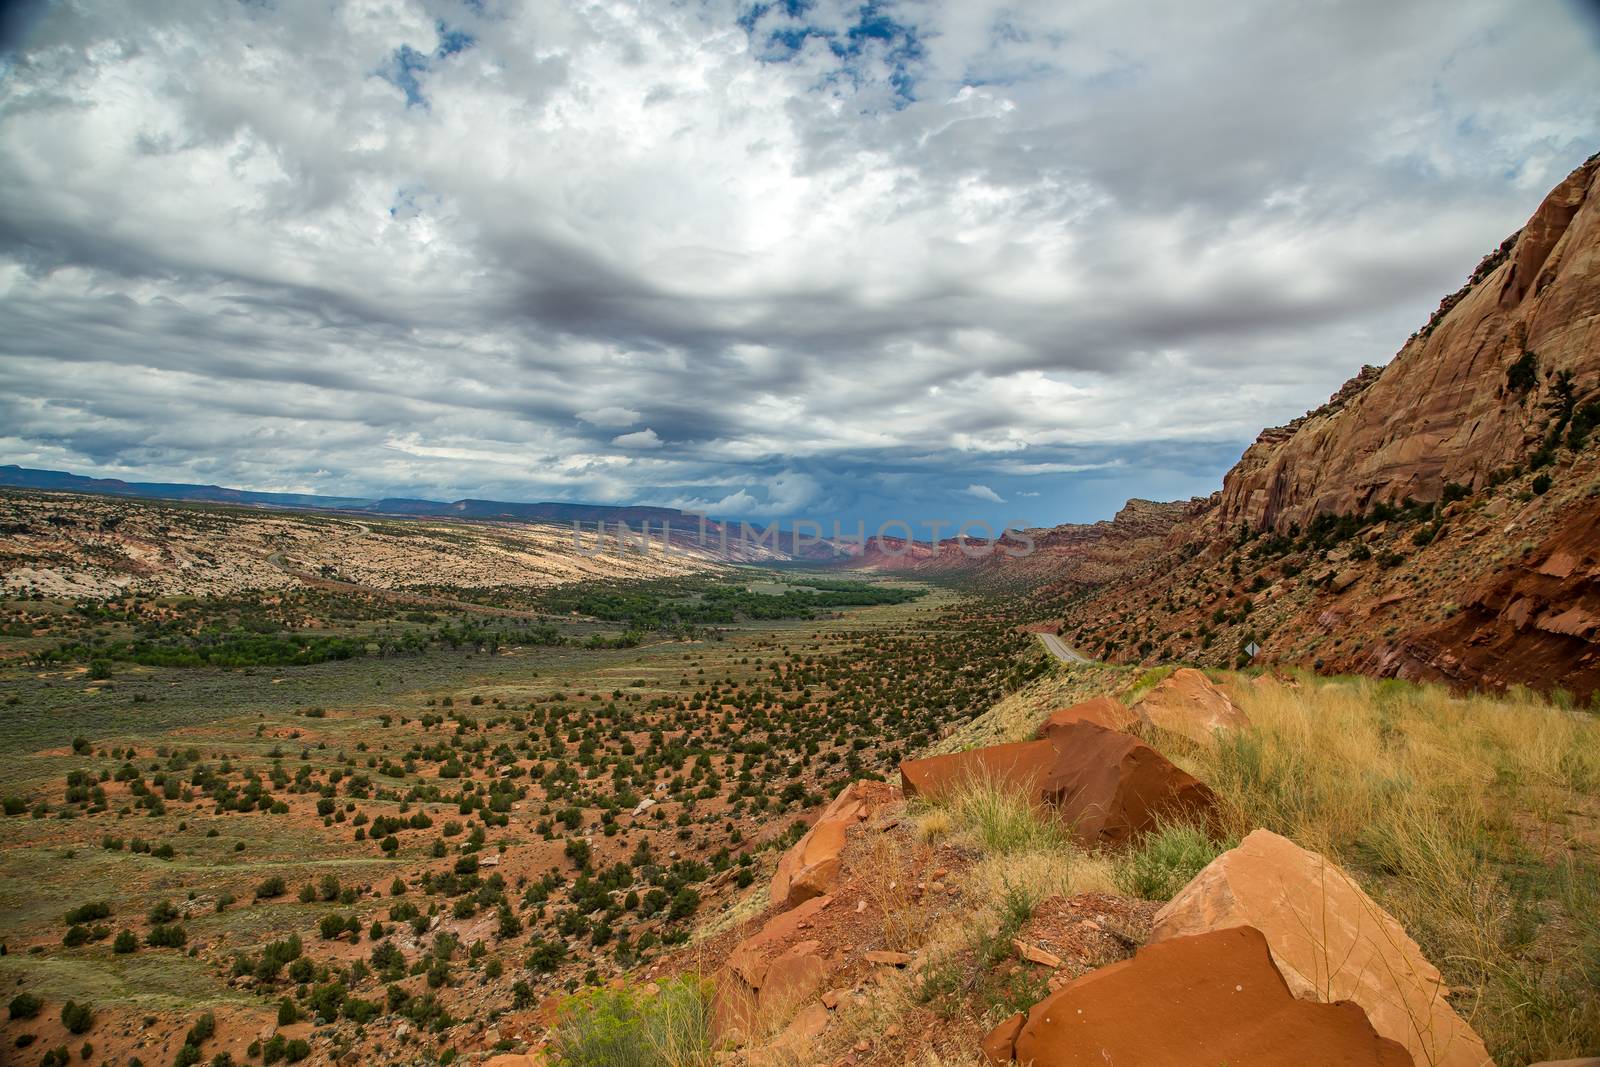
<point x="1077" y="553"/>
<point x="1434" y="519"/>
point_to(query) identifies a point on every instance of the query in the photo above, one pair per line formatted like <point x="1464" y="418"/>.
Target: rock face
<point x="770" y="973"/>
<point x="811" y="865"/>
<point x="1210" y="999"/>
<point x="1457" y="402"/>
<point x="1107" y="785"/>
<point x="1108" y="712"/>
<point x="1330" y="941"/>
<point x="1187" y="703"/>
<point x="1537" y="621"/>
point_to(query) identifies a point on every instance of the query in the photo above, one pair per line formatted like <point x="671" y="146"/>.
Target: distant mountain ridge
<point x="547" y="511"/>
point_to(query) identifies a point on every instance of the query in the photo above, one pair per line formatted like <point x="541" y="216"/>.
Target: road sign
<point x="1251" y="649"/>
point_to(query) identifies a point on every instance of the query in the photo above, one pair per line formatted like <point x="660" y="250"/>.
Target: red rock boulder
<point x="1187" y="703"/>
<point x="1022" y="765"/>
<point x="770" y="973"/>
<point x="1107" y="785"/>
<point x="1330" y="941"/>
<point x="811" y="866"/>
<point x="1210" y="999"/>
<point x="1109" y="712"/>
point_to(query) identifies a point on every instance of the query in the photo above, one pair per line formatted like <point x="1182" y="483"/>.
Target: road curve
<point x="1063" y="651"/>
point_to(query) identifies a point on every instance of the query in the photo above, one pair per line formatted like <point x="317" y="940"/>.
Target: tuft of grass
<point x="1166" y="859"/>
<point x="1002" y="819"/>
<point x="899" y="867"/>
<point x="934" y="824"/>
<point x="1146" y="682"/>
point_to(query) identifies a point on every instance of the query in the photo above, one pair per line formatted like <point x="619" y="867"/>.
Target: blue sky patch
<point x="874" y="32"/>
<point x="407" y="63"/>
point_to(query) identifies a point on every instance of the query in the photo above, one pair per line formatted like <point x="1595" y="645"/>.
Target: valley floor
<point x="416" y="857"/>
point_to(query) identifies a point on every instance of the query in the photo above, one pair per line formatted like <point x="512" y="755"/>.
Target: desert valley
<point x="821" y="533"/>
<point x="1316" y="756"/>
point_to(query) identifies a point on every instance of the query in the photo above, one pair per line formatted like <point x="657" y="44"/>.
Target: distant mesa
<point x="548" y="511"/>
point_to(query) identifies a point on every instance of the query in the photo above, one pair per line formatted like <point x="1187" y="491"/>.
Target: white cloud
<point x="612" y="417"/>
<point x="983" y="492"/>
<point x="645" y="438"/>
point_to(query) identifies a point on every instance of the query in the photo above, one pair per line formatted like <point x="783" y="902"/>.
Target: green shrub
<point x="1523" y="374"/>
<point x="1166" y="859"/>
<point x="625" y="1028"/>
<point x="25" y="1006"/>
<point x="76" y="1017"/>
<point x="86" y="913"/>
<point x="166" y="937"/>
<point x="203" y="1030"/>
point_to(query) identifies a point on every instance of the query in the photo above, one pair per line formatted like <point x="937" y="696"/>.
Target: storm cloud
<point x="964" y="259"/>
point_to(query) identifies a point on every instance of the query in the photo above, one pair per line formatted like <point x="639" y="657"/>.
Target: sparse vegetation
<point x="629" y="1028"/>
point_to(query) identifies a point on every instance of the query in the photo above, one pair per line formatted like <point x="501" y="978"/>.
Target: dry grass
<point x="1471" y="819"/>
<point x="1022" y="846"/>
<point x="1042" y="873"/>
<point x="900" y="866"/>
<point x="751" y="903"/>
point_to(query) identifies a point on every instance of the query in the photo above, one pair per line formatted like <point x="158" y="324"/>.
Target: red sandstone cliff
<point x="1488" y="420"/>
<point x="1457" y="402"/>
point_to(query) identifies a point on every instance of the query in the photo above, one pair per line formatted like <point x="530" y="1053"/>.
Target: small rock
<point x="1034" y="954"/>
<point x="892" y="959"/>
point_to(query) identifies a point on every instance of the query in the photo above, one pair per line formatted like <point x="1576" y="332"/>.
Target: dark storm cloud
<point x="1010" y="260"/>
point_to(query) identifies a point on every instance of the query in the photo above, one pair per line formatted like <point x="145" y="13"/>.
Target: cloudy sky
<point x="989" y="258"/>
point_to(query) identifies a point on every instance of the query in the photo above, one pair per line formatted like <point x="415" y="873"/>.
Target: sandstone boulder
<point x="794" y="1042"/>
<point x="1107" y="785"/>
<point x="1329" y="939"/>
<point x="1210" y="999"/>
<point x="770" y="973"/>
<point x="1102" y="711"/>
<point x="1187" y="703"/>
<point x="811" y="866"/>
<point x="1021" y="765"/>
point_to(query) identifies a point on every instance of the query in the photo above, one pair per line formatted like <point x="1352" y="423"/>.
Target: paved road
<point x="1063" y="651"/>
